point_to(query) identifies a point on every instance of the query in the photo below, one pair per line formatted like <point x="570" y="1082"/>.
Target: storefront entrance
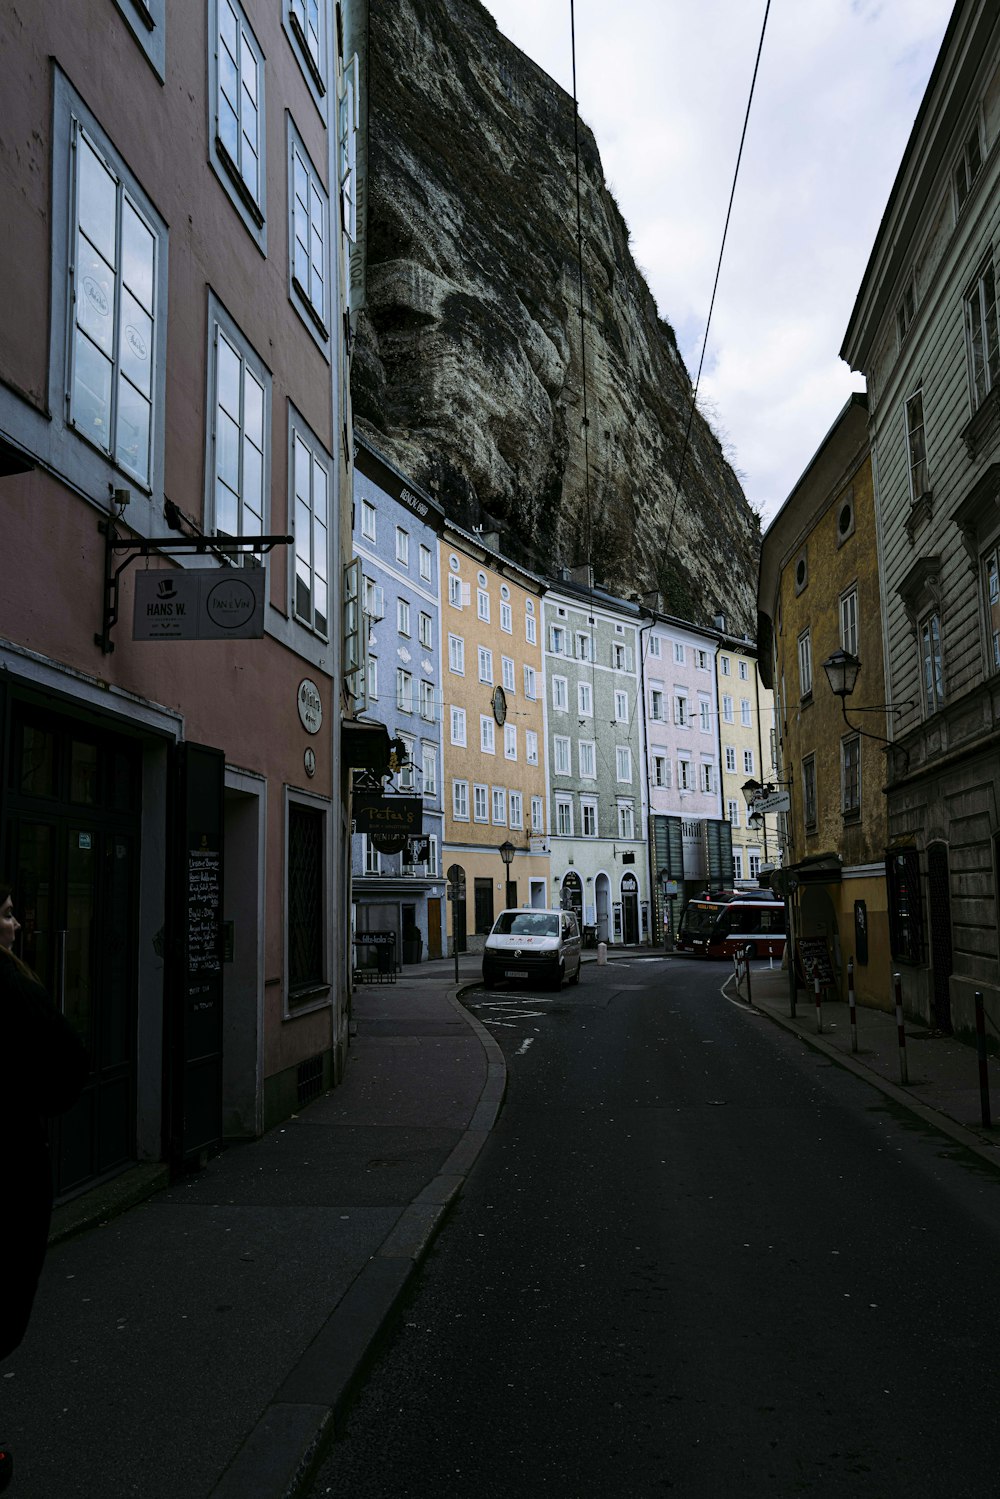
<point x="71" y="848"/>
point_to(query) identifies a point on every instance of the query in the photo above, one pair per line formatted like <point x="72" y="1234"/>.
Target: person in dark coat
<point x="43" y="1067"/>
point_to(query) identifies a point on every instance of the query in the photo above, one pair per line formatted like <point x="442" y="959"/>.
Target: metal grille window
<point x="306" y="936"/>
<point x="312" y="536"/>
<point x="809" y="791"/>
<point x="113" y="259"/>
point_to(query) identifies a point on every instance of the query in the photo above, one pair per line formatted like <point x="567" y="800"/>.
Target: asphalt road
<point x="695" y="1259"/>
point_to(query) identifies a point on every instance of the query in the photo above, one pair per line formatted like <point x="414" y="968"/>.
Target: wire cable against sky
<point x="715" y="284"/>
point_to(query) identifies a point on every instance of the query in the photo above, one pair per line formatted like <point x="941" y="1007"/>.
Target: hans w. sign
<point x="201" y="604"/>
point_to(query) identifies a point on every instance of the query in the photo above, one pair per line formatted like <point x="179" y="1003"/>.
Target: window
<point x="968" y="167"/>
<point x="656" y="704"/>
<point x="372" y="678"/>
<point x="981" y="333"/>
<point x="460" y="800"/>
<point x="805" y="665"/>
<point x="454" y="591"/>
<point x="425" y="627"/>
<point x="661" y="770"/>
<point x="748" y="762"/>
<point x="516" y="802"/>
<point x="403" y="616"/>
<point x="306" y="905"/>
<point x="588" y="819"/>
<point x="529" y="628"/>
<point x="560" y="694"/>
<point x="480" y="803"/>
<point x="621" y="706"/>
<point x="116" y="253"/>
<point x="906" y="914"/>
<point x="932" y="676"/>
<point x="146" y="20"/>
<point x="744" y="672"/>
<point x="681" y="711"/>
<point x="588" y="759"/>
<point x="429" y="767"/>
<point x="237" y="89"/>
<point x="737" y="863"/>
<point x="487" y="734"/>
<point x="537" y="815"/>
<point x="456" y="655"/>
<point x="678" y="653"/>
<point x="809" y="792"/>
<point x="425" y="564"/>
<point x="560" y="755"/>
<point x="402" y="546"/>
<point x="367" y="520"/>
<point x="623" y="763"/>
<point x="705" y="716"/>
<point x="919" y="485"/>
<point x="485" y="664"/>
<point x="702" y="658"/>
<point x="499" y="806"/>
<point x="564" y="817"/>
<point x="239" y="461"/>
<point x="724" y="665"/>
<point x="483" y="604"/>
<point x="707" y="778"/>
<point x="584" y="647"/>
<point x="991" y="594"/>
<point x="727" y="708"/>
<point x="370" y="856"/>
<point x="684" y="775"/>
<point x="733" y="812"/>
<point x="626" y="820"/>
<point x="746" y="717"/>
<point x="305" y="21"/>
<point x="585" y="699"/>
<point x="850" y="776"/>
<point x="531" y="746"/>
<point x="621" y="657"/>
<point x="557" y="640"/>
<point x="753" y="863"/>
<point x="507" y="673"/>
<point x="404" y="691"/>
<point x="308" y="239"/>
<point x="655" y="647"/>
<point x="348" y="127"/>
<point x="310" y="479"/>
<point x="529" y="682"/>
<point x="506" y="619"/>
<point x="406" y="769"/>
<point x="849" y="621"/>
<point x="730" y="757"/>
<point x="458" y="726"/>
<point x="427" y="700"/>
<point x="510" y="741"/>
<point x="906" y="308"/>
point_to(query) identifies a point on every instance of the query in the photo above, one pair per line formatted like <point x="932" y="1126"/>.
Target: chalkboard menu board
<point x="204" y="898"/>
<point x="814" y="958"/>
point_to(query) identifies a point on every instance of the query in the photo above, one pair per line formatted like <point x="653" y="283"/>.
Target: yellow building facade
<point x="494" y="736"/>
<point x="746" y="738"/>
<point x="819" y="594"/>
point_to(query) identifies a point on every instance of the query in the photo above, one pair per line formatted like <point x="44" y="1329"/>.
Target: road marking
<point x="524" y="1046"/>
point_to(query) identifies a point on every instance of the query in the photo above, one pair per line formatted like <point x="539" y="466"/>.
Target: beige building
<point x="493" y="719"/>
<point x="746" y="753"/>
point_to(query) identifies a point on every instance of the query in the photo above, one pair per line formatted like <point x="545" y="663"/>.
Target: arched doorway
<point x="572" y="895"/>
<point x="602" y="899"/>
<point x="630" y="910"/>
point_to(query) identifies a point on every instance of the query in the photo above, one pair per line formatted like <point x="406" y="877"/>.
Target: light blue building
<point x="395" y="535"/>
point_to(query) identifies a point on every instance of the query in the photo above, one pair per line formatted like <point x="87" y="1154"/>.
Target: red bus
<point x="721" y="928"/>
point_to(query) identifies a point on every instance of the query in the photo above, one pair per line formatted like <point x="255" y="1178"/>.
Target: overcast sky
<point x="664" y="86"/>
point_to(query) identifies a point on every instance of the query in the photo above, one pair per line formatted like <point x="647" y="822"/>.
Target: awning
<point x="365" y="746"/>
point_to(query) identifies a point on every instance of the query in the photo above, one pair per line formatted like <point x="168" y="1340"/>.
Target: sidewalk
<point x="207" y="1341"/>
<point x="943" y="1074"/>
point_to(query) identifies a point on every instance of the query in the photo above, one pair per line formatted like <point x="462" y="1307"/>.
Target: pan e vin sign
<point x="202" y="604"/>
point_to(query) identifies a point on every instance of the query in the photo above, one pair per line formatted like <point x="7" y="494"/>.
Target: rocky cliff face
<point x="469" y="366"/>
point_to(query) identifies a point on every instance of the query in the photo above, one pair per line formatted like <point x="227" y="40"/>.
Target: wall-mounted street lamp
<point x="842" y="669"/>
<point x="507" y="852"/>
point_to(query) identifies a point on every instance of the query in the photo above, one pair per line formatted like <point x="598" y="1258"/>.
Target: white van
<point x="540" y="946"/>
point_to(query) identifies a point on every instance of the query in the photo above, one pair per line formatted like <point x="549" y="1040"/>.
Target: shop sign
<point x="200" y="604"/>
<point x="310" y="706"/>
<point x="398" y="815"/>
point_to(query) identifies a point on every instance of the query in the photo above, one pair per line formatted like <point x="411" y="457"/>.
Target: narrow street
<point x="694" y="1257"/>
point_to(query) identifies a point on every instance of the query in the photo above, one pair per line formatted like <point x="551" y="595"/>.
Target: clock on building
<point x="499" y="704"/>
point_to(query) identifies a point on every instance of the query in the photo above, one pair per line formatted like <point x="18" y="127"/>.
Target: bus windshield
<point x="700" y="916"/>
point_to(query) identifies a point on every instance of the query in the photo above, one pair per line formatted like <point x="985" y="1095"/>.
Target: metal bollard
<point x="851" y="1005"/>
<point x="819" y="1005"/>
<point x="602" y="954"/>
<point x="749" y="991"/>
<point x="984" y="1066"/>
<point x="904" y="1076"/>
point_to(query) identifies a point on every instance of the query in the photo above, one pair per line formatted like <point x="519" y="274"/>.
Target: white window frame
<point x="968" y="167"/>
<point x="557" y="640"/>
<point x="487" y="734"/>
<point x="498" y="807"/>
<point x="310" y="508"/>
<point x="425" y="563"/>
<point x="402" y="546"/>
<point x="309" y="285"/>
<point x="510" y="741"/>
<point x="483" y="605"/>
<point x="621" y="705"/>
<point x="731" y="758"/>
<point x="733" y="812"/>
<point x="626" y="820"/>
<point x="538" y="814"/>
<point x="480" y="802"/>
<point x="508" y="675"/>
<point x="584" y="700"/>
<point x="681" y="715"/>
<point x="530" y="684"/>
<point x="425" y="631"/>
<point x="564" y="816"/>
<point x="530" y="629"/>
<point x="679" y="652"/>
<point x="586" y="751"/>
<point x="705" y="715"/>
<point x="404" y="690"/>
<point x="588" y="818"/>
<point x="531" y="746"/>
<point x="243" y="176"/>
<point x="656" y="700"/>
<point x="724" y="665"/>
<point x="306" y="23"/>
<point x="849" y="620"/>
<point x="727" y="709"/>
<point x="562" y="764"/>
<point x="368" y="520"/>
<point x="684" y="779"/>
<point x="456" y="655"/>
<point x="707" y="776"/>
<point x="515" y="807"/>
<point x="403" y="617"/>
<point x="485" y="664"/>
<point x="458" y="726"/>
<point x="426" y="698"/>
<point x="748" y="762"/>
<point x="253" y="375"/>
<point x="428" y="765"/>
<point x="623" y="764"/>
<point x="560" y="694"/>
<point x="460" y="800"/>
<point x="805" y="665"/>
<point x="744" y="672"/>
<point x="506" y="619"/>
<point x="746" y="713"/>
<point x="654" y="647"/>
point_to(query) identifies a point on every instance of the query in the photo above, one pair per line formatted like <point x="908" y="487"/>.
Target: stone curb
<point x="943" y="1123"/>
<point x="280" y="1456"/>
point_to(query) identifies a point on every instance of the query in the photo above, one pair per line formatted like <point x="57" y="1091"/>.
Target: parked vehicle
<point x="719" y="928"/>
<point x="540" y="946"/>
